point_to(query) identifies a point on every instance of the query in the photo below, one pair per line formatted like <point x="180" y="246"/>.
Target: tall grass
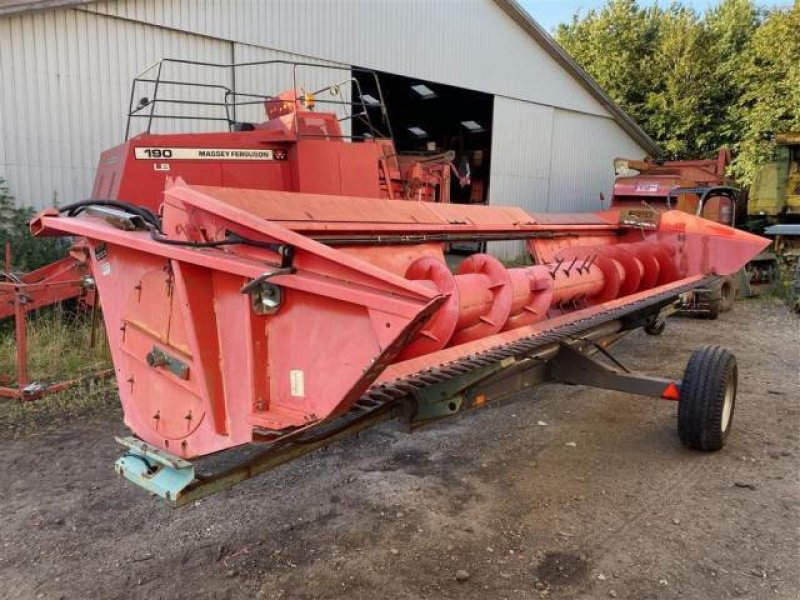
<point x="58" y="346"/>
<point x="58" y="349"/>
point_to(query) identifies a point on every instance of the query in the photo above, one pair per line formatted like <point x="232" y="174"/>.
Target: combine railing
<point x="181" y="99"/>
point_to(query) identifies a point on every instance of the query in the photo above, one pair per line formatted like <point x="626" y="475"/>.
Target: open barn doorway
<point x="433" y="118"/>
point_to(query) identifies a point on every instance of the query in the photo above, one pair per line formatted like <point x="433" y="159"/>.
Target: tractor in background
<point x="774" y="207"/>
<point x="775" y="193"/>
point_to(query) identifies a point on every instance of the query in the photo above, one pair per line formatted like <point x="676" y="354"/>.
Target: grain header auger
<point x="291" y="319"/>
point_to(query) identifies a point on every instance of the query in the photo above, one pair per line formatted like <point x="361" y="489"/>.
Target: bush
<point x="27" y="252"/>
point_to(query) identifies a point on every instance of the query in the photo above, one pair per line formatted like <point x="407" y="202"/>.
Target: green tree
<point x="730" y="27"/>
<point x="694" y="83"/>
<point x="769" y="77"/>
<point x="654" y="63"/>
<point x="614" y="45"/>
<point x="680" y="89"/>
<point x="28" y="253"/>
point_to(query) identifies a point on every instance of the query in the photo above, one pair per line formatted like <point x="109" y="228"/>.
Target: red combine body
<point x="296" y="149"/>
<point x="283" y="298"/>
<point x="299" y="146"/>
<point x="692" y="186"/>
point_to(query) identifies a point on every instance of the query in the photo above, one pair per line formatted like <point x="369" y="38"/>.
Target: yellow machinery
<point x="775" y="193"/>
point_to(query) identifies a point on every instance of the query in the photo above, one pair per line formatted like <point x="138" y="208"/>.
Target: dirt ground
<point x="566" y="493"/>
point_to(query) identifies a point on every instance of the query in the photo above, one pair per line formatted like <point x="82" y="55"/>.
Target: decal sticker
<point x="297" y="383"/>
<point x="152" y="153"/>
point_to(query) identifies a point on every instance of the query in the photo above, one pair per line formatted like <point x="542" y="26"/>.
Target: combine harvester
<point x="270" y="322"/>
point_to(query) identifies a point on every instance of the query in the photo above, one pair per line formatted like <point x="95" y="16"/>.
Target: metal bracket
<point x="158" y="358"/>
<point x="286" y="268"/>
<point x="447" y="397"/>
<point x="251" y="285"/>
<point x="574" y="367"/>
<point x="157" y="471"/>
<point x="117" y="218"/>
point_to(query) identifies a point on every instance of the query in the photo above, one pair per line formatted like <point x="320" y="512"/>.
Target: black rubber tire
<point x="727" y="294"/>
<point x="710" y="373"/>
<point x="714" y="304"/>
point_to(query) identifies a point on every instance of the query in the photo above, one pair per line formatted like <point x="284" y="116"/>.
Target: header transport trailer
<point x="251" y="326"/>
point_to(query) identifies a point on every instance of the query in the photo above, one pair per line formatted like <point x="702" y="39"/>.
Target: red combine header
<point x="316" y="305"/>
<point x="696" y="187"/>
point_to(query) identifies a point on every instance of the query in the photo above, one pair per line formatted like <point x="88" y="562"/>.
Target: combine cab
<point x="296" y="141"/>
<point x="280" y="292"/>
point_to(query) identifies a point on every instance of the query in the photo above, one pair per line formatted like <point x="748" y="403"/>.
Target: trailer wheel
<point x="714" y="306"/>
<point x="707" y="399"/>
<point x="727" y="295"/>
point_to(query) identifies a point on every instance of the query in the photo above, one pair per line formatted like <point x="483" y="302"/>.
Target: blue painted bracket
<point x="155" y="470"/>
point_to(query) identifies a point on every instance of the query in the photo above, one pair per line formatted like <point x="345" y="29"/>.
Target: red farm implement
<point x="701" y="188"/>
<point x="66" y="279"/>
<point x="290" y="313"/>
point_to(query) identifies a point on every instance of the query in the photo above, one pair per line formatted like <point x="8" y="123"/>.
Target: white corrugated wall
<point x="551" y="160"/>
<point x="471" y="44"/>
<point x="65" y="81"/>
<point x="64" y="94"/>
<point x="583" y="151"/>
<point x="66" y="77"/>
<point x="520" y="155"/>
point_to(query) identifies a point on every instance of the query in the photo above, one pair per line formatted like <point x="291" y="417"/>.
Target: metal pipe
<point x="21" y="340"/>
<point x="474" y="299"/>
<point x="578" y="284"/>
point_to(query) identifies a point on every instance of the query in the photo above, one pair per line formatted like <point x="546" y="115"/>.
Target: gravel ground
<point x="566" y="493"/>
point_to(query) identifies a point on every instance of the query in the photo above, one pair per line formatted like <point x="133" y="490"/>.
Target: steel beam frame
<point x="574" y="365"/>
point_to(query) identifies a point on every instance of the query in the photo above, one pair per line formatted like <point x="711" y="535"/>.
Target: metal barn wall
<point x="583" y="153"/>
<point x="70" y="71"/>
<point x="520" y="161"/>
<point x="66" y="84"/>
<point x="546" y="159"/>
<point x="471" y="44"/>
<point x="65" y="90"/>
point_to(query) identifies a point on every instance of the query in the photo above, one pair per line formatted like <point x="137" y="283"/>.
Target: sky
<point x="549" y="13"/>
